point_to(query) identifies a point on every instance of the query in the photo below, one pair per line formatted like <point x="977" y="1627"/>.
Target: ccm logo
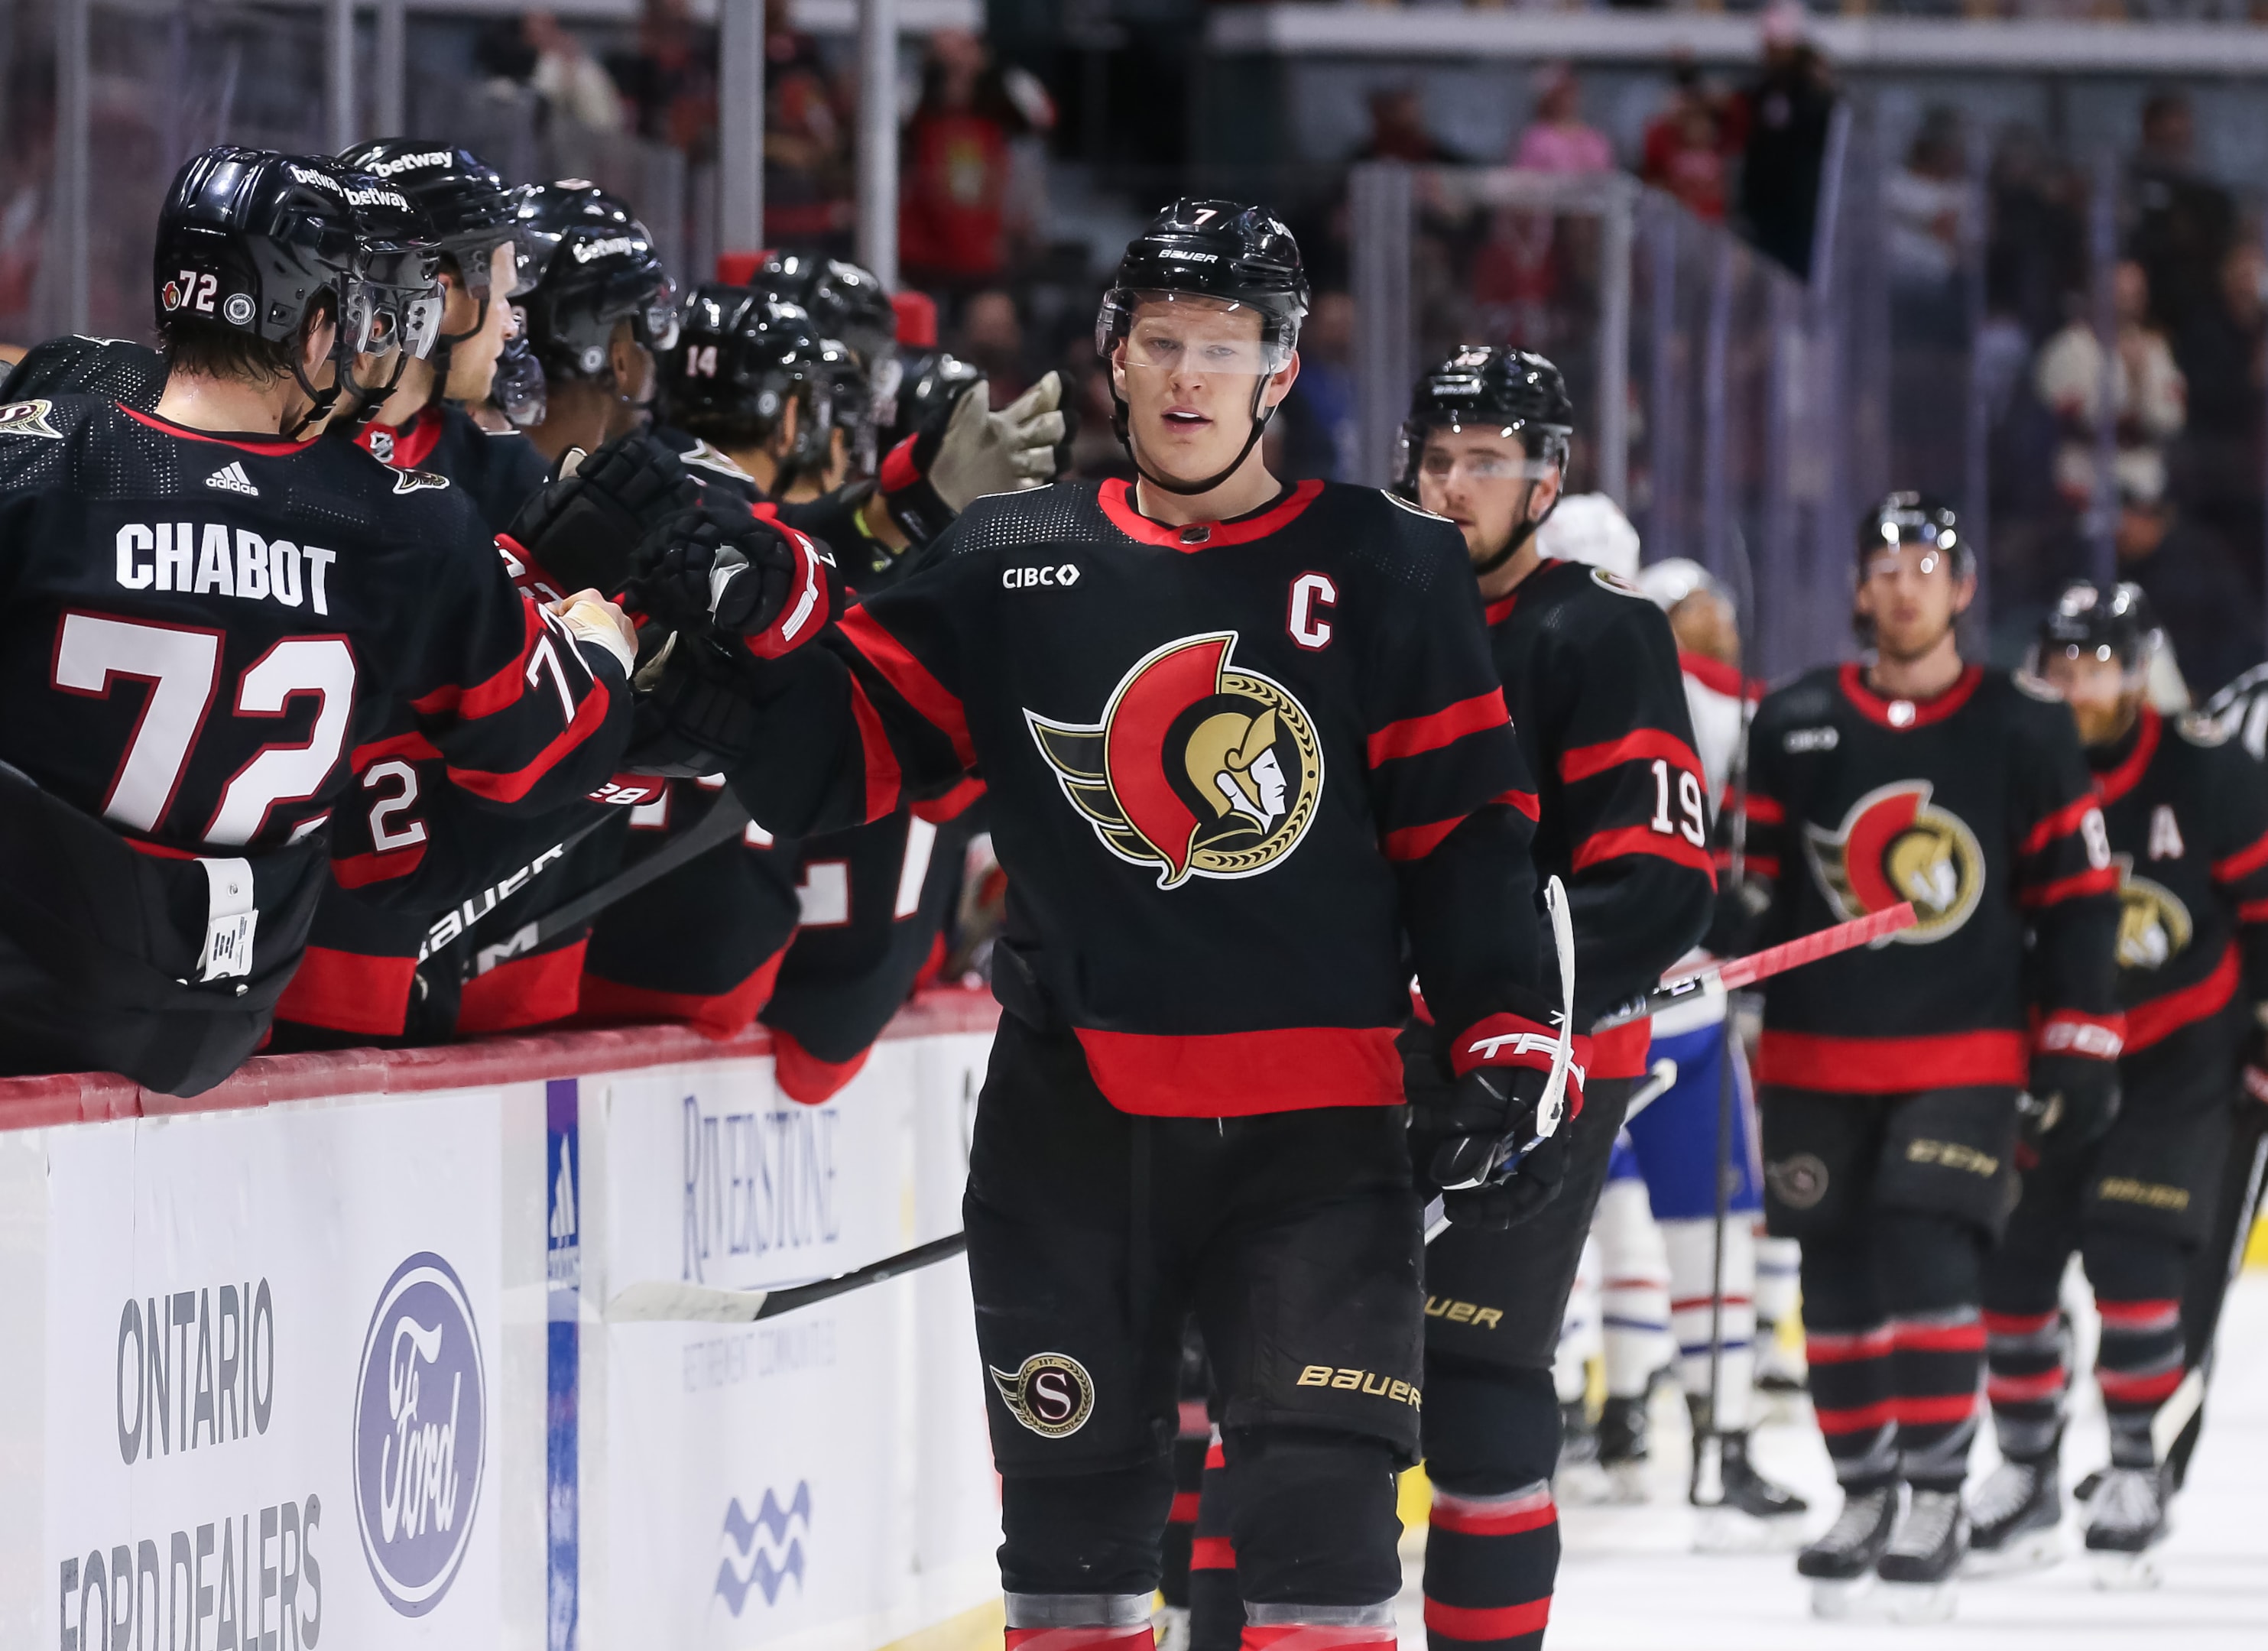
<point x="1024" y="579"/>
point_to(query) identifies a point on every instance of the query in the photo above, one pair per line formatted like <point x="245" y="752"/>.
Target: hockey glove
<point x="1489" y="1135"/>
<point x="2073" y="1096"/>
<point x="932" y="475"/>
<point x="721" y="571"/>
<point x="694" y="713"/>
<point x="581" y="529"/>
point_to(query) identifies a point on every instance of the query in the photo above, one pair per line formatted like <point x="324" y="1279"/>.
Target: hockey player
<point x="1890" y="1077"/>
<point x="118" y="741"/>
<point x="2187" y="812"/>
<point x="1242" y="740"/>
<point x="1590" y="673"/>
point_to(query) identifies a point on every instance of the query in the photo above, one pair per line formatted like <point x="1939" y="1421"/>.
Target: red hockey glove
<point x="718" y="571"/>
<point x="581" y="529"/>
<point x="2073" y="1096"/>
<point x="1490" y="1153"/>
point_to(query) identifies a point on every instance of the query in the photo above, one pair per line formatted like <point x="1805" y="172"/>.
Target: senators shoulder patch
<point x="410" y="481"/>
<point x="1411" y="505"/>
<point x="1608" y="579"/>
<point x="2037" y="688"/>
<point x="28" y="418"/>
<point x="2201" y="730"/>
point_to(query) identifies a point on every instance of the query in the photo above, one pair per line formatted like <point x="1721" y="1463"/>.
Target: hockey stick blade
<point x="1737" y="972"/>
<point x="668" y="1302"/>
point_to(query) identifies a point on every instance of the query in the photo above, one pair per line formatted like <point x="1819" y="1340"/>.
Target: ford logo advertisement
<point x="419" y="1438"/>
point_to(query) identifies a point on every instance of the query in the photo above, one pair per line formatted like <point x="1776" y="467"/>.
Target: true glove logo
<point x="419" y="1436"/>
<point x="760" y="1554"/>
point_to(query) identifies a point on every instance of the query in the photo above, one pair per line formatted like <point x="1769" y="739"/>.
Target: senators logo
<point x="1051" y="1393"/>
<point x="1196" y="769"/>
<point x="2154" y="924"/>
<point x="28" y="418"/>
<point x="1894" y="846"/>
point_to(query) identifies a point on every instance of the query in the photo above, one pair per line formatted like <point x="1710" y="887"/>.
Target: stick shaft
<point x="779" y="1301"/>
<point x="1773" y="960"/>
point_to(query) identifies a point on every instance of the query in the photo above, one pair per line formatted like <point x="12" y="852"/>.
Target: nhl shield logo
<point x="2154" y="926"/>
<point x="1197" y="768"/>
<point x="1895" y="845"/>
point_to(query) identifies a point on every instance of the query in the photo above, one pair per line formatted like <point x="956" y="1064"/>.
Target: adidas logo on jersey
<point x="231" y="478"/>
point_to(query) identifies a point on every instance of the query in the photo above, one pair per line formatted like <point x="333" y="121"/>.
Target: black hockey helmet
<point x="518" y="386"/>
<point x="1907" y="517"/>
<point x="1218" y="250"/>
<point x="594" y="264"/>
<point x="2105" y="621"/>
<point x="471" y="210"/>
<point x="394" y="304"/>
<point x="935" y="381"/>
<point x="1516" y="392"/>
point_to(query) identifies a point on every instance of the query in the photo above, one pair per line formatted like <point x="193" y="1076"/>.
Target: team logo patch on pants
<point x="1051" y="1393"/>
<point x="1799" y="1182"/>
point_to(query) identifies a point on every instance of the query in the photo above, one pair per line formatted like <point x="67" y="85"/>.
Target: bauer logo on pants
<point x="1196" y="769"/>
<point x="1051" y="1393"/>
<point x="1894" y="846"/>
<point x="419" y="1434"/>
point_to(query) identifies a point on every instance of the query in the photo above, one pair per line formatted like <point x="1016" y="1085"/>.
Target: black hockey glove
<point x="580" y="530"/>
<point x="1484" y="1144"/>
<point x="934" y="474"/>
<point x="2073" y="1094"/>
<point x="695" y="713"/>
<point x="721" y="571"/>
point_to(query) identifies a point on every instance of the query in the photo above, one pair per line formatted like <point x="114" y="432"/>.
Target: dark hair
<point x="211" y="351"/>
<point x="729" y="431"/>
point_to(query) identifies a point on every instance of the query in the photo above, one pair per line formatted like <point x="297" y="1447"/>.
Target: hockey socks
<point x="1190" y="1451"/>
<point x="1489" y="1565"/>
<point x="1078" y="1622"/>
<point x="2138" y="1366"/>
<point x="1216" y="1610"/>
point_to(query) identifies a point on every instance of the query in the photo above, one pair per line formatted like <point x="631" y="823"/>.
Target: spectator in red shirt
<point x="1685" y="150"/>
<point x="957" y="213"/>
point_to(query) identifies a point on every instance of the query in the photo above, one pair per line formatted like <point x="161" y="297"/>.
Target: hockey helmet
<point x="740" y="359"/>
<point x="1670" y="582"/>
<point x="1225" y="252"/>
<point x="471" y="210"/>
<point x="594" y="265"/>
<point x="934" y="383"/>
<point x="1907" y="517"/>
<point x="1516" y="392"/>
<point x="844" y="301"/>
<point x="2104" y="622"/>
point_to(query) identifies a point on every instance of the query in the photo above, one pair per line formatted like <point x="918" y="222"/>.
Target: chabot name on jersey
<point x="220" y="561"/>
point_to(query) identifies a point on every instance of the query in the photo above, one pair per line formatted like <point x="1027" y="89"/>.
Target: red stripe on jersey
<point x="1718" y="676"/>
<point x="1184" y="1508"/>
<point x="1413" y="736"/>
<point x="1497" y="1622"/>
<point x="2019" y="1389"/>
<point x="2159" y="1314"/>
<point x="1909" y="1337"/>
<point x="899" y="472"/>
<point x="523" y="991"/>
<point x="884" y="779"/>
<point x="2145" y="1389"/>
<point x="1930" y="1412"/>
<point x="1639" y="746"/>
<point x="2253" y="911"/>
<point x="1763" y="810"/>
<point x="1237" y="1074"/>
<point x="360" y="871"/>
<point x="413" y="443"/>
<point x="1526" y="801"/>
<point x="590" y="716"/>
<point x="1117" y="502"/>
<point x="2243" y="863"/>
<point x="2104" y="882"/>
<point x="2061" y="823"/>
<point x="2158" y="1019"/>
<point x="910" y="678"/>
<point x="1921" y="712"/>
<point x="804" y="1078"/>
<point x="1891" y="1066"/>
<point x="349" y="991"/>
<point x="275" y="447"/>
<point x="2128" y="774"/>
<point x="1414" y="842"/>
<point x="1846" y="1346"/>
<point x="1620" y="1051"/>
<point x="954" y="804"/>
<point x="2019" y="1324"/>
<point x="413" y="748"/>
<point x="1755" y="866"/>
<point x="1859" y="1419"/>
<point x="1607" y="845"/>
<point x="486" y="698"/>
<point x="717" y="1015"/>
<point x="1211" y="1553"/>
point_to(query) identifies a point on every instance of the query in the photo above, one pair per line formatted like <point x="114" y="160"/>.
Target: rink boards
<point x="320" y="1360"/>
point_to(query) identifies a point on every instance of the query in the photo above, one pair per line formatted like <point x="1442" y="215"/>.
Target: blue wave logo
<point x="764" y="1551"/>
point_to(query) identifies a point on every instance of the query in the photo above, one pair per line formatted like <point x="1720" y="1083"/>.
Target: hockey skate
<point x="1841" y="1564"/>
<point x="1751" y="1514"/>
<point x="2126" y="1520"/>
<point x="1578" y="1481"/>
<point x="1920" y="1571"/>
<point x="2016" y="1519"/>
<point x="1623" y="1451"/>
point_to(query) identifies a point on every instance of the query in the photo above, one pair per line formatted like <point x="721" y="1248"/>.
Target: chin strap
<point x="1520" y="536"/>
<point x="1260" y="418"/>
<point x="319" y="402"/>
<point x="445" y="342"/>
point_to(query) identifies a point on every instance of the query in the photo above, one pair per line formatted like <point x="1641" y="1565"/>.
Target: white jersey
<point x="1713" y="696"/>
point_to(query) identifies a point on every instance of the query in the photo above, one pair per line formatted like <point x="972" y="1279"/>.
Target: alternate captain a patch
<point x="1196" y="767"/>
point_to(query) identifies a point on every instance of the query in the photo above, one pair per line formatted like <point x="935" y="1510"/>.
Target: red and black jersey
<point x="1234" y="768"/>
<point x="1591" y="675"/>
<point x="875" y="902"/>
<point x="201" y="631"/>
<point x="115" y="369"/>
<point x="833" y="519"/>
<point x="499" y="471"/>
<point x="1975" y="806"/>
<point x="2187" y="811"/>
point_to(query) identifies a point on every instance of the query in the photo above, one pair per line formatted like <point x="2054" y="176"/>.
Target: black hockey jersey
<point x="115" y="369"/>
<point x="1591" y="675"/>
<point x="1231" y="765"/>
<point x="2188" y="816"/>
<point x="1975" y="806"/>
<point x="497" y="471"/>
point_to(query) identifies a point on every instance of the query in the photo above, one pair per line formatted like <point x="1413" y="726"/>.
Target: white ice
<point x="1630" y="1581"/>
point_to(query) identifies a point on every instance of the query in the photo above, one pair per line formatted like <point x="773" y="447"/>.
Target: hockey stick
<point x="667" y="1301"/>
<point x="1735" y="973"/>
<point x="2185" y="1402"/>
<point x="725" y="816"/>
<point x="1658" y="1079"/>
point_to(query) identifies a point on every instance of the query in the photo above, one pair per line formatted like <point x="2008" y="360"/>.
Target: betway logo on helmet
<point x="410" y="163"/>
<point x="586" y="250"/>
<point x="376" y="197"/>
<point x="320" y="179"/>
